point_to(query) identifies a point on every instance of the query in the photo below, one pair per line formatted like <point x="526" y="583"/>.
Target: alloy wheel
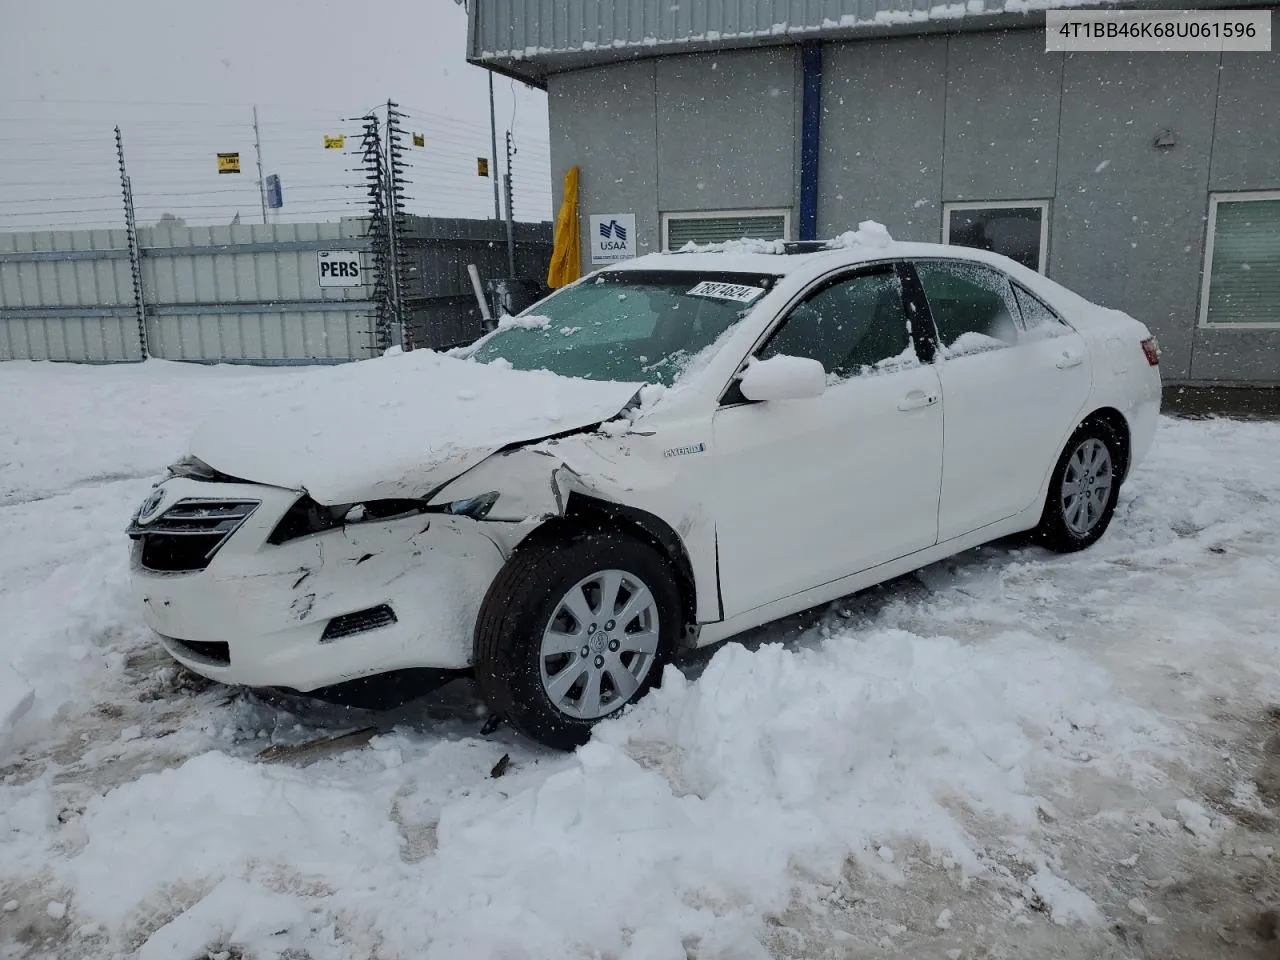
<point x="1086" y="486"/>
<point x="600" y="644"/>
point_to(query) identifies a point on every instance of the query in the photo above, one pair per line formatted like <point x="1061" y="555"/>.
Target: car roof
<point x="769" y="257"/>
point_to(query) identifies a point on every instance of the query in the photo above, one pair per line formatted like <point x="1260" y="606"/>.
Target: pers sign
<point x="339" y="268"/>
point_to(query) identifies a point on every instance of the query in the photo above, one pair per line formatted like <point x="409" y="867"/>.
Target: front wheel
<point x="1083" y="490"/>
<point x="572" y="630"/>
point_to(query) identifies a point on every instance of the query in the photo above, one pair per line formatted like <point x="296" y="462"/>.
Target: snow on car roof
<point x="713" y="262"/>
<point x="871" y="241"/>
<point x="763" y="256"/>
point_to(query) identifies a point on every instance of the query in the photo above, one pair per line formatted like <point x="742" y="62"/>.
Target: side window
<point x="853" y="327"/>
<point x="1037" y="319"/>
<point x="973" y="306"/>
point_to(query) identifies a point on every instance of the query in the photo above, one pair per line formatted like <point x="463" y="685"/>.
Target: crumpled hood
<point x="397" y="426"/>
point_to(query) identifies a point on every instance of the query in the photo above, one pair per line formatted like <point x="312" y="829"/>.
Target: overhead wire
<point x="167" y="161"/>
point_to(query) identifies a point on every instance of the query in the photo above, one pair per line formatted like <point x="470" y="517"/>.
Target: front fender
<point x="524" y="479"/>
<point x="534" y="484"/>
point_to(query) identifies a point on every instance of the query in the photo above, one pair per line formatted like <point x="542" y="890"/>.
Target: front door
<point x="813" y="490"/>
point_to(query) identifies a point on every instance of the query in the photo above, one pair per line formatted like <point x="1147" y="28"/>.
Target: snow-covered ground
<point x="1011" y="754"/>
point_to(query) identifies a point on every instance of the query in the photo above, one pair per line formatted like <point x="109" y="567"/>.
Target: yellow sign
<point x="482" y="166"/>
<point x="335" y="143"/>
<point x="419" y="140"/>
<point x="228" y="163"/>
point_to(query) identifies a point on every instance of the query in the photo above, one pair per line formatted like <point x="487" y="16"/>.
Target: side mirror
<point x="783" y="378"/>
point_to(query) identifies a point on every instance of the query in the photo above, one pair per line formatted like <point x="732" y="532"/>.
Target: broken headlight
<point x="477" y="508"/>
<point x="306" y="517"/>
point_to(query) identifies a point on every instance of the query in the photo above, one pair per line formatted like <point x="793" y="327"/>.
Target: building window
<point x="720" y="225"/>
<point x="1241" y="286"/>
<point x="1019" y="229"/>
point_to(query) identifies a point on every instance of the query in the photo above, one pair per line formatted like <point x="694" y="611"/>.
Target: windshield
<point x="626" y="325"/>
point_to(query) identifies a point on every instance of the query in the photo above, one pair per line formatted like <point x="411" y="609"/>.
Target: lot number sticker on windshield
<point x="726" y="291"/>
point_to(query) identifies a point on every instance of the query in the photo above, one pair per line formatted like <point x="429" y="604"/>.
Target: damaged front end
<point x="272" y="587"/>
<point x="295" y="594"/>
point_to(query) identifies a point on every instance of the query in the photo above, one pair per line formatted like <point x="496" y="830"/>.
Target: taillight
<point x="1152" y="351"/>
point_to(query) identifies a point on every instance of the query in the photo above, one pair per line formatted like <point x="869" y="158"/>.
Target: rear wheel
<point x="1083" y="489"/>
<point x="572" y="630"/>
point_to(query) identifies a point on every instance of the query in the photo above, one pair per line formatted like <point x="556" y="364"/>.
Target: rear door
<point x="1015" y="380"/>
<point x="809" y="491"/>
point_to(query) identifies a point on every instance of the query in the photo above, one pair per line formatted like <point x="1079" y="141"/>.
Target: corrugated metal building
<point x="1147" y="181"/>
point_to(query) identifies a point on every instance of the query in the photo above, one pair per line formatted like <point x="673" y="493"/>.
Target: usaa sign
<point x="613" y="237"/>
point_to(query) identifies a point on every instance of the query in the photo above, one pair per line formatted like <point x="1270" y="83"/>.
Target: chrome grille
<point x="187" y="535"/>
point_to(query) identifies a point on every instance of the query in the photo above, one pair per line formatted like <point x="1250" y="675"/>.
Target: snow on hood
<point x="398" y="426"/>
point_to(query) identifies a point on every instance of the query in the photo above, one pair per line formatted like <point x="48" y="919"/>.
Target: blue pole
<point x="810" y="129"/>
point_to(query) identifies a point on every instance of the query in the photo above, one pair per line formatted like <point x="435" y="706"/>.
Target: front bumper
<point x="256" y="615"/>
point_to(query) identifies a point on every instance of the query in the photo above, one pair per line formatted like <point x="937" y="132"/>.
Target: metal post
<point x="511" y="239"/>
<point x="378" y="232"/>
<point x="478" y="289"/>
<point x="493" y="147"/>
<point x="257" y="147"/>
<point x="391" y="217"/>
<point x="395" y="209"/>
<point x="135" y="254"/>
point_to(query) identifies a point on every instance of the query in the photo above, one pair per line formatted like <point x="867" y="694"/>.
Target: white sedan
<point x="658" y="457"/>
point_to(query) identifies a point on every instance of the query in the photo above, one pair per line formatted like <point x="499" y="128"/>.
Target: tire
<point x="1083" y="489"/>
<point x="554" y="695"/>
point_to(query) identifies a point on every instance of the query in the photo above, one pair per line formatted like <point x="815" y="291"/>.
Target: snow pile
<point x="17" y="697"/>
<point x="906" y="360"/>
<point x="957" y="741"/>
<point x="683" y="820"/>
<point x="745" y="245"/>
<point x="869" y="234"/>
<point x="524" y="322"/>
<point x="230" y="831"/>
<point x="971" y="342"/>
<point x="872" y="737"/>
<point x="69" y="425"/>
<point x="79" y="448"/>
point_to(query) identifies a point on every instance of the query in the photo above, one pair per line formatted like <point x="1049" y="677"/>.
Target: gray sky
<point x="180" y="77"/>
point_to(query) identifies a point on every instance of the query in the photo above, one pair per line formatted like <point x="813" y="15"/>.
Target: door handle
<point x="1070" y="360"/>
<point x="917" y="400"/>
